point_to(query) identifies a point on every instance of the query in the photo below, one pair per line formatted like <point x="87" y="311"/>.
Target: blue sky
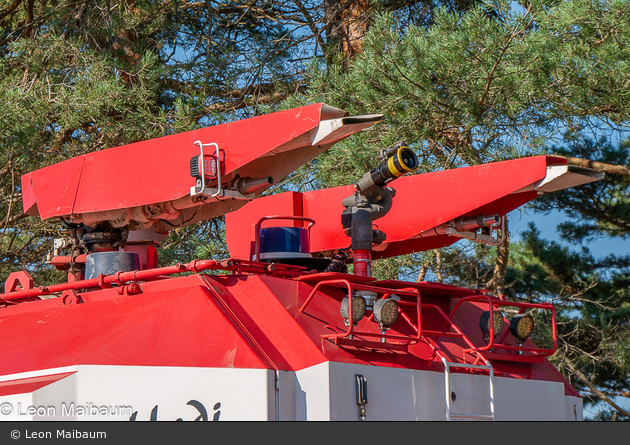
<point x="547" y="225"/>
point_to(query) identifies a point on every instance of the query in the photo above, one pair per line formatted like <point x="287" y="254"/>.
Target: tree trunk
<point x="497" y="282"/>
<point x="346" y="23"/>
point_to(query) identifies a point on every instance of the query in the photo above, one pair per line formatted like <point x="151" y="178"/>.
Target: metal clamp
<point x="193" y="190"/>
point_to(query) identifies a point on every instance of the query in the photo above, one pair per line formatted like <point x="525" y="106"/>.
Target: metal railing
<point x="494" y="344"/>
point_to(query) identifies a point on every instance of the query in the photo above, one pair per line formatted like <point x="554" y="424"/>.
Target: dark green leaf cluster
<point x="494" y="82"/>
<point x="592" y="297"/>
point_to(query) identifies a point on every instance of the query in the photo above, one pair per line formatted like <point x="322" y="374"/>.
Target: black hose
<point x="338" y="261"/>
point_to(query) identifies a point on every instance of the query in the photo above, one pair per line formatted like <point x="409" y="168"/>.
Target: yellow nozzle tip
<point x="392" y="168"/>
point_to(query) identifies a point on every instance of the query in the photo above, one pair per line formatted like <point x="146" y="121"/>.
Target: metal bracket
<point x="360" y="383"/>
<point x="478" y="237"/>
<point x="221" y="193"/>
<point x="58" y="244"/>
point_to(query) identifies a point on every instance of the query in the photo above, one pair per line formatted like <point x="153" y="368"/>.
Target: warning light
<point x="358" y="308"/>
<point x="521" y="326"/>
<point x="208" y="164"/>
<point x="386" y="311"/>
<point x="497" y="322"/>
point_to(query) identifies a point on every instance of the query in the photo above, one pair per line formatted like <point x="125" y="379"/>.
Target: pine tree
<point x="497" y="81"/>
<point x="463" y="81"/>
<point x="84" y="76"/>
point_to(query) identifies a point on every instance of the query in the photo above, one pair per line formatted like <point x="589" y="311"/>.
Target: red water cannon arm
<point x="429" y="210"/>
<point x="183" y="178"/>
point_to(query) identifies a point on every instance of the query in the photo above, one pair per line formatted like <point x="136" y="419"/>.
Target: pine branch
<point x="241" y="103"/>
<point x="312" y="26"/>
<point x="234" y="93"/>
<point x="600" y="395"/>
<point x="515" y="32"/>
<point x="11" y="220"/>
<point x="10" y="9"/>
<point x="601" y="166"/>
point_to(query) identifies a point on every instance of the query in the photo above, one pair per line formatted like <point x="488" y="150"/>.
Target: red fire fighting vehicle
<point x="281" y="330"/>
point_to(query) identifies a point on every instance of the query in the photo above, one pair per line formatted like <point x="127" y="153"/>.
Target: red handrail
<point x="492" y="302"/>
<point x="379" y="290"/>
<point x="119" y="278"/>
<point x="457" y="333"/>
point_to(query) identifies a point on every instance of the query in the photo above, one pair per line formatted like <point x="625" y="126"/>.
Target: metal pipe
<point x="467" y="223"/>
<point x="463" y="224"/>
<point x="117" y="278"/>
<point x="362" y="262"/>
<point x="250" y="185"/>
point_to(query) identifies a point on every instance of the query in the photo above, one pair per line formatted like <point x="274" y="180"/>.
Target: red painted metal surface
<point x="170" y="323"/>
<point x="422" y="202"/>
<point x="51" y="191"/>
<point x="252" y="314"/>
<point x="351" y="332"/>
<point x="20" y="279"/>
<point x="362" y="262"/>
<point x="496" y="343"/>
<point x="249" y="320"/>
<point x="158" y="170"/>
<point x="105" y="281"/>
<point x="30" y="384"/>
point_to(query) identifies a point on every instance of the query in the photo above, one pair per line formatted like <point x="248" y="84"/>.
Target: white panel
<point x="574" y="408"/>
<point x="328" y="393"/>
<point x="472" y="395"/>
<point x="393" y="394"/>
<point x="334" y="129"/>
<point x="560" y="177"/>
<point x="322" y="392"/>
<point x="518" y="399"/>
<point x="286" y="396"/>
<point x="312" y="393"/>
<point x="17" y="407"/>
<point x="161" y="393"/>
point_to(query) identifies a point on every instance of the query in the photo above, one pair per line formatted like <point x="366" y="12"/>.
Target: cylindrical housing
<point x="403" y="161"/>
<point x="250" y="185"/>
<point x="284" y="242"/>
<point x="362" y="261"/>
<point x="108" y="263"/>
<point x="400" y="162"/>
<point x="467" y="223"/>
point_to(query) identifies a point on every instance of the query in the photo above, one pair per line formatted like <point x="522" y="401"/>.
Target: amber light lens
<point x="386" y="311"/>
<point x="358" y="308"/>
<point x="521" y="326"/>
<point x="484" y="322"/>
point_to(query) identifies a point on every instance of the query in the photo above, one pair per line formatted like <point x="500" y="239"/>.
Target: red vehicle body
<point x="271" y="334"/>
